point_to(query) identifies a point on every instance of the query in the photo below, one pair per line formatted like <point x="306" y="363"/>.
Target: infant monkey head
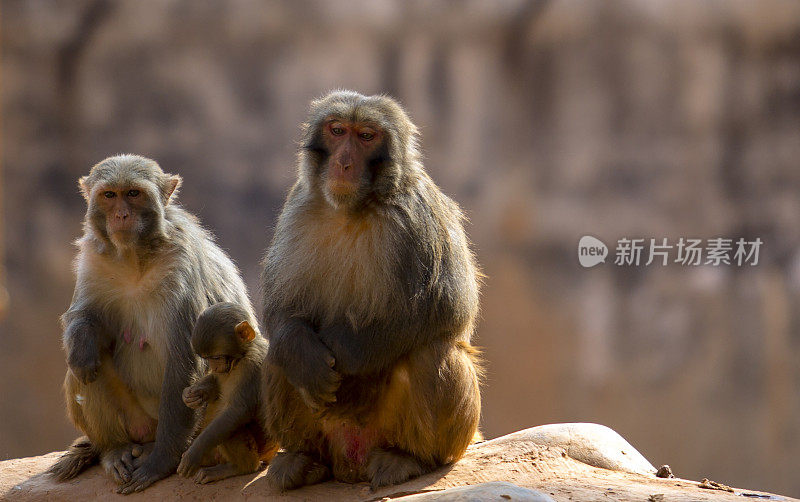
<point x="222" y="336"/>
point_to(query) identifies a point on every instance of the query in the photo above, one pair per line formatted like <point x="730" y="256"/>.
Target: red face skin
<point x="351" y="145"/>
<point x="120" y="206"/>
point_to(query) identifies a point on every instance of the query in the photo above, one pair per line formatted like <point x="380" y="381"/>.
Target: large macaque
<point x="370" y="298"/>
<point x="232" y="439"/>
<point x="145" y="270"/>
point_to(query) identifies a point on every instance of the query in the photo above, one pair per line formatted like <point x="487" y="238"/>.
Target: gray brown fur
<point x="232" y="439"/>
<point x="152" y="284"/>
<point x="369" y="306"/>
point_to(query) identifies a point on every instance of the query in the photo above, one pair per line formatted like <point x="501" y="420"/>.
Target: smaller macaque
<point x="231" y="436"/>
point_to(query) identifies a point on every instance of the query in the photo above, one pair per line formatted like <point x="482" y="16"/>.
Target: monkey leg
<point x="111" y="417"/>
<point x="240" y="452"/>
<point x="298" y="431"/>
<point x="239" y="455"/>
<point x="429" y="412"/>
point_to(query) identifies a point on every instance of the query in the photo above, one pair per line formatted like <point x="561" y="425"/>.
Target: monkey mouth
<point x="340" y="187"/>
<point x="121" y="228"/>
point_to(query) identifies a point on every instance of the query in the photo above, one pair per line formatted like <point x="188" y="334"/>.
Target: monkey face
<point x="120" y="207"/>
<point x="220" y="364"/>
<point x="126" y="196"/>
<point x="357" y="150"/>
<point x="351" y="149"/>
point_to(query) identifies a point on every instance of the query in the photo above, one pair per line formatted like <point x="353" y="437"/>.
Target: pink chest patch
<point x="128" y="337"/>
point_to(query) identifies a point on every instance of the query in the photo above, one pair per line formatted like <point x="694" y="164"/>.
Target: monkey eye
<point x="109" y="194"/>
<point x="133" y="193"/>
<point x="366" y="136"/>
<point x="337" y="131"/>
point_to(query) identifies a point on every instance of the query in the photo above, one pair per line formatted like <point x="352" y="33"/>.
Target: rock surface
<point x="496" y="490"/>
<point x="562" y="462"/>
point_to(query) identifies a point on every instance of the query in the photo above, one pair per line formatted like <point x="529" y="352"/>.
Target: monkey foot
<point x="290" y="470"/>
<point x="215" y="473"/>
<point x="392" y="466"/>
<point x="121" y="462"/>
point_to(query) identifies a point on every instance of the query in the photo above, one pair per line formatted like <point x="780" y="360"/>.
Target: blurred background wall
<point x="545" y="120"/>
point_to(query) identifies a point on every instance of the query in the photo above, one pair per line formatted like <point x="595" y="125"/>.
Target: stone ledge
<point x="561" y="461"/>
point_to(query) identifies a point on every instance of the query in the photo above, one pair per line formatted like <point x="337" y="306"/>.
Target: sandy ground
<point x="517" y="458"/>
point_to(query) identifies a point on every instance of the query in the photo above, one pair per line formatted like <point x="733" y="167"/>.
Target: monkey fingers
<point x="215" y="473"/>
<point x="314" y="378"/>
<point x="140" y="453"/>
<point x="193" y="398"/>
<point x="120" y="463"/>
<point x="86" y="366"/>
<point x="190" y="462"/>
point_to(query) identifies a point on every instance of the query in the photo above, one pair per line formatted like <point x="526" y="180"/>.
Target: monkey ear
<point x="86" y="190"/>
<point x="245" y="332"/>
<point x="171" y="185"/>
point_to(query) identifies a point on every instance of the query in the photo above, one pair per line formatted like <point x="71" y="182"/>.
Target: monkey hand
<point x="190" y="462"/>
<point x="318" y="385"/>
<point x="195" y="397"/>
<point x="309" y="368"/>
<point x="84" y="362"/>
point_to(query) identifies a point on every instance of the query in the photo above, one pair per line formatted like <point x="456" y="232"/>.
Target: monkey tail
<point x="82" y="454"/>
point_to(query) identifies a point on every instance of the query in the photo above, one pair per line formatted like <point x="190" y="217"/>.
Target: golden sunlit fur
<point x="370" y="302"/>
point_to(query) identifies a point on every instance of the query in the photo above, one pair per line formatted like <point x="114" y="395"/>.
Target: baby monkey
<point x="231" y="436"/>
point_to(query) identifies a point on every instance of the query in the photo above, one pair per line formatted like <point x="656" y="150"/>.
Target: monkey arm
<point x="235" y="415"/>
<point x="306" y="361"/>
<point x="368" y="349"/>
<point x="362" y="350"/>
<point x="82" y="340"/>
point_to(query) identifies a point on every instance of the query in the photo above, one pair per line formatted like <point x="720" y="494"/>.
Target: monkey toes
<point x="121" y="462"/>
<point x="290" y="470"/>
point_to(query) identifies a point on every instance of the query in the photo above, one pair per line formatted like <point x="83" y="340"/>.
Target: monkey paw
<point x="392" y="466"/>
<point x="84" y="366"/>
<point x="193" y="397"/>
<point x="145" y="475"/>
<point x="190" y="462"/>
<point x="121" y="462"/>
<point x="215" y="473"/>
<point x="290" y="470"/>
<point x="319" y="382"/>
